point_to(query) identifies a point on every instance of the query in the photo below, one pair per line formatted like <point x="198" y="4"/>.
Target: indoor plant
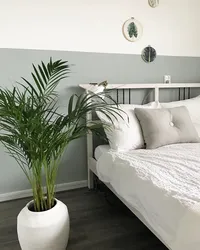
<point x="36" y="135"/>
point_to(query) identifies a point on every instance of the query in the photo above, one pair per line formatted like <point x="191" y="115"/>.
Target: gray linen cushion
<point x="166" y="126"/>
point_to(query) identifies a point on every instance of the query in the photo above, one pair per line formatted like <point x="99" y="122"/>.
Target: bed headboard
<point x="124" y="91"/>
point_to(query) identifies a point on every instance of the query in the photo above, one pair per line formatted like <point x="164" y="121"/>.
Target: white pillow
<point x="125" y="134"/>
<point x="193" y="106"/>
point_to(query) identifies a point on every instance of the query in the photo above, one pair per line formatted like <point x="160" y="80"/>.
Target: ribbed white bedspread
<point x="164" y="185"/>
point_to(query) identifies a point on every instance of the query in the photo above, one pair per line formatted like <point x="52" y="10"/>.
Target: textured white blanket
<point x="166" y="177"/>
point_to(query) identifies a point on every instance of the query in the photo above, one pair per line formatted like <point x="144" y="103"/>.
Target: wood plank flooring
<point x="96" y="224"/>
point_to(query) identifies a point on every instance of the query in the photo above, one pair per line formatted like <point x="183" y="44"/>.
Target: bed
<point x="160" y="186"/>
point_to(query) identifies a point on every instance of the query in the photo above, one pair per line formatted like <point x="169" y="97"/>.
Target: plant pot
<point x="48" y="230"/>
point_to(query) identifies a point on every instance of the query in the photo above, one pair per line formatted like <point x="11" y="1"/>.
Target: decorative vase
<point x="48" y="230"/>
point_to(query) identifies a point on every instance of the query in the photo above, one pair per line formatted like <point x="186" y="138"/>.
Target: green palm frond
<point x="46" y="79"/>
<point x="35" y="134"/>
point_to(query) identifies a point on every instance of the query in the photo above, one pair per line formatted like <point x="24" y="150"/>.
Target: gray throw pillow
<point x="166" y="126"/>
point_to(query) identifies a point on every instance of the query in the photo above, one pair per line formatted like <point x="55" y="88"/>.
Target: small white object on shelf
<point x="95" y="89"/>
<point x="167" y="79"/>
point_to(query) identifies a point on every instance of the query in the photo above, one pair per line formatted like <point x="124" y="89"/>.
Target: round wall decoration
<point x="153" y="3"/>
<point x="132" y="30"/>
<point x="149" y="54"/>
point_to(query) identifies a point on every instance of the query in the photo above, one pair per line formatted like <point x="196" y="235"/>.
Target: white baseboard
<point x="28" y="192"/>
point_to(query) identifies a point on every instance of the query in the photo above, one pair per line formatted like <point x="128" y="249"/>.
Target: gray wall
<point x="87" y="67"/>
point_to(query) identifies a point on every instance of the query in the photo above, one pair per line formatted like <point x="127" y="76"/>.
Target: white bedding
<point x="100" y="150"/>
<point x="163" y="184"/>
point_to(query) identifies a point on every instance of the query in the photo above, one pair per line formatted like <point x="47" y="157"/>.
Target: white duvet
<point x="163" y="185"/>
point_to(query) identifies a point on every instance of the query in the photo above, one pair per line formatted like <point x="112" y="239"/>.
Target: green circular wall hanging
<point x="132" y="30"/>
<point x="153" y="3"/>
<point x="149" y="54"/>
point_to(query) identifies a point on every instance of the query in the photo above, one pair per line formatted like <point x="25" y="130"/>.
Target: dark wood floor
<point x="96" y="223"/>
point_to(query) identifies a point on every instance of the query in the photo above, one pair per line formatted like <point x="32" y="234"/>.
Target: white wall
<point x="95" y="25"/>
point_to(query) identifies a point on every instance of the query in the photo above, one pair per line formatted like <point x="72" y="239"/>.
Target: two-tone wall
<point x="95" y="26"/>
<point x="32" y="31"/>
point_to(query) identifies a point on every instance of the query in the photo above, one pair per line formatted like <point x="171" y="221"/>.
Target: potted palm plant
<point x="35" y="134"/>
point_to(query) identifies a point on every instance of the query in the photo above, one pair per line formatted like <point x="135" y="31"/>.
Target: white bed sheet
<point x="162" y="184"/>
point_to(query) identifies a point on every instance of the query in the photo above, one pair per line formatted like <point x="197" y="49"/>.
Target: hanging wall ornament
<point x="153" y="3"/>
<point x="132" y="30"/>
<point x="149" y="54"/>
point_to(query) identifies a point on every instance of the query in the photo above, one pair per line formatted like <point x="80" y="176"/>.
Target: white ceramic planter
<point x="47" y="230"/>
